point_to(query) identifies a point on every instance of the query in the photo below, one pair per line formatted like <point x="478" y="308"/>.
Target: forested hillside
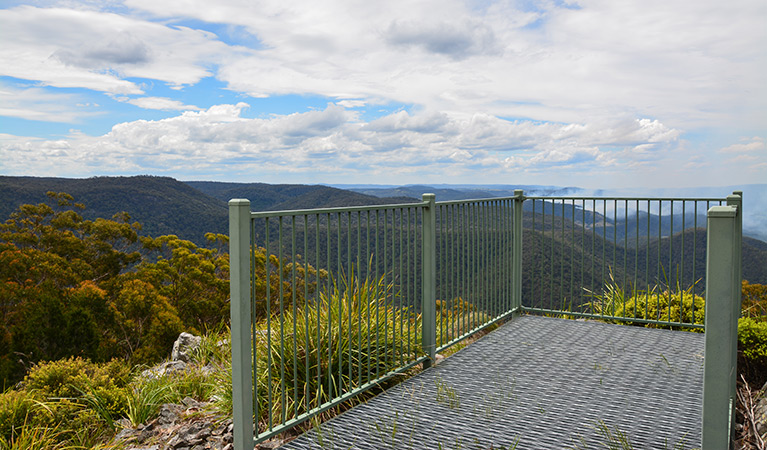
<point x="164" y="205"/>
<point x="161" y="205"/>
<point x="277" y="197"/>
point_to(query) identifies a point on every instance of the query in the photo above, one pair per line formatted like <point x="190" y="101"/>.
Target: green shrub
<point x="16" y="408"/>
<point x="74" y="378"/>
<point x="752" y="346"/>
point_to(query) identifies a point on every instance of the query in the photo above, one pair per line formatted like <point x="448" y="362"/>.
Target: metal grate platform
<point x="546" y="383"/>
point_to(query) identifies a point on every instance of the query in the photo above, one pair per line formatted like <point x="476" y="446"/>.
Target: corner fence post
<point x="722" y="311"/>
<point x="428" y="305"/>
<point x="736" y="200"/>
<point x="240" y="311"/>
<point x="516" y="262"/>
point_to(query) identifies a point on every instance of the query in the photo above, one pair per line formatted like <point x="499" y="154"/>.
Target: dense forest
<point x="85" y="296"/>
<point x="100" y="282"/>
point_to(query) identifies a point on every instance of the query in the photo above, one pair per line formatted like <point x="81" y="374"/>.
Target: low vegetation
<point x="87" y="305"/>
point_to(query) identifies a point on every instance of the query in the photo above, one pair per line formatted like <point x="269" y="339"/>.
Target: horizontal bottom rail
<point x="616" y="318"/>
<point x="335" y="402"/>
<point x="479" y="328"/>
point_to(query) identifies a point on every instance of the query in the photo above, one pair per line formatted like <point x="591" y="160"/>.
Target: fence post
<point x="428" y="305"/>
<point x="736" y="200"/>
<point x="516" y="262"/>
<point x="240" y="311"/>
<point x="722" y="311"/>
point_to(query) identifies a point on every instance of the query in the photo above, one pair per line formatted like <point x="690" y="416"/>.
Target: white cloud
<point x="749" y="146"/>
<point x="604" y="86"/>
<point x="686" y="64"/>
<point x="219" y="142"/>
<point x="99" y="50"/>
<point x="161" y="103"/>
<point x="35" y="103"/>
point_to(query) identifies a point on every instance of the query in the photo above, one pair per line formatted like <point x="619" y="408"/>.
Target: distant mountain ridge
<point x="754" y="195"/>
<point x="190" y="209"/>
<point x="277" y="197"/>
<point x="165" y="205"/>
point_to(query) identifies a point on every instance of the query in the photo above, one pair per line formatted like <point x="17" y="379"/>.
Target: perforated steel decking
<point x="546" y="382"/>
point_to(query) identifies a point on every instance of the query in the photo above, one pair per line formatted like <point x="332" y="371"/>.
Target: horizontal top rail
<point x="473" y="200"/>
<point x="665" y="199"/>
<point x="301" y="212"/>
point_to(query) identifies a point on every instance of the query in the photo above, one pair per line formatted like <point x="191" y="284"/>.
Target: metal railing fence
<point x="629" y="259"/>
<point x="478" y="250"/>
<point x="328" y="303"/>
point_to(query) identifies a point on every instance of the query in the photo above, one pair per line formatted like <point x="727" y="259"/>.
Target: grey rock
<point x="760" y="412"/>
<point x="191" y="435"/>
<point x="169" y="414"/>
<point x="184" y="347"/>
<point x="166" y="368"/>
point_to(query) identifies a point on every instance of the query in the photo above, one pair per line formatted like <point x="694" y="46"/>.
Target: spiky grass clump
<point x="349" y="335"/>
<point x="671" y="305"/>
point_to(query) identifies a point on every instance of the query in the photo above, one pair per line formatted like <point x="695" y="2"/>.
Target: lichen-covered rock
<point x="760" y="412"/>
<point x="166" y="368"/>
<point x="184" y="346"/>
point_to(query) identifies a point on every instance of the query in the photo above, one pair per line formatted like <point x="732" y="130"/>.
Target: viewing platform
<point x="539" y="383"/>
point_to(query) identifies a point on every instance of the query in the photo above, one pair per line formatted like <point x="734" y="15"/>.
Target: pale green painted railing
<point x="358" y="295"/>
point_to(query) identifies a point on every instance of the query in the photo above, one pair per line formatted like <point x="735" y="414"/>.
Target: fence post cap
<point x="239" y="201"/>
<point x="722" y="211"/>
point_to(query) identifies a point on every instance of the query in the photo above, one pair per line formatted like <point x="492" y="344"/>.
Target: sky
<point x="591" y="93"/>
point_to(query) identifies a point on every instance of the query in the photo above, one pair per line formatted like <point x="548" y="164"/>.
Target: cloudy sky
<point x="590" y="93"/>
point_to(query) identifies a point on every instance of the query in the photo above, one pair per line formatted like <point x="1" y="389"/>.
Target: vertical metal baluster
<point x="455" y="238"/>
<point x="625" y="251"/>
<point x="466" y="249"/>
<point x="670" y="259"/>
<point x="681" y="270"/>
<point x="604" y="244"/>
<point x="483" y="249"/>
<point x="306" y="308"/>
<point x="615" y="245"/>
<point x="572" y="253"/>
<point x="647" y="261"/>
<point x="389" y="288"/>
<point x="593" y="243"/>
<point x="442" y="281"/>
<point x="318" y="301"/>
<point x="270" y="385"/>
<point x="368" y="290"/>
<point x="411" y="296"/>
<point x="562" y="260"/>
<point x="330" y="294"/>
<point x="551" y="256"/>
<point x="283" y="394"/>
<point x="351" y="287"/>
<point x="294" y="312"/>
<point x="583" y="250"/>
<point x="376" y="293"/>
<point x="634" y="288"/>
<point x="342" y="293"/>
<point x="360" y="283"/>
<point x="534" y="251"/>
<point x="403" y="293"/>
<point x="660" y="254"/>
<point x="694" y="254"/>
<point x="476" y="299"/>
<point x="254" y="320"/>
